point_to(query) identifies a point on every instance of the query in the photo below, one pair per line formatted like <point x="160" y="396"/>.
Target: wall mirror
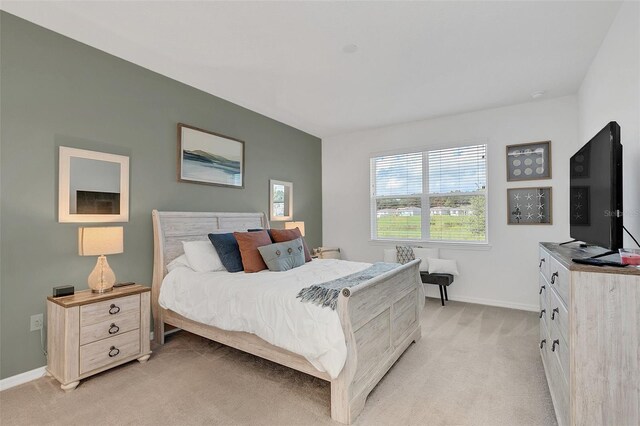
<point x="280" y="200"/>
<point x="92" y="186"/>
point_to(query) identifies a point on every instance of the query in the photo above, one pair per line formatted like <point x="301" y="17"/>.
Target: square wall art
<point x="529" y="161"/>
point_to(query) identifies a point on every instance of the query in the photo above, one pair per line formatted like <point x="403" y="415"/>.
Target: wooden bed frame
<point x="380" y="317"/>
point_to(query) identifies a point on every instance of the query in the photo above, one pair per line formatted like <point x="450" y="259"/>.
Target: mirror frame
<point x="289" y="214"/>
<point x="64" y="175"/>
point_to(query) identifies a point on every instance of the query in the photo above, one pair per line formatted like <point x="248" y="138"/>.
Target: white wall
<point x="506" y="273"/>
<point x="611" y="92"/>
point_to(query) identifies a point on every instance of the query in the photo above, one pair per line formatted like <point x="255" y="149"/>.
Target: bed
<point x="379" y="318"/>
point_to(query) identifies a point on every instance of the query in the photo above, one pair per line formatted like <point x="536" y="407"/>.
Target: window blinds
<point x="432" y="195"/>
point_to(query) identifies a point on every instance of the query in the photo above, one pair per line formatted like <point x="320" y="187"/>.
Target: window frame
<point x="425" y="196"/>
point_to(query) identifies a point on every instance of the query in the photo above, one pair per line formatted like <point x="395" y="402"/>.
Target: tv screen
<point x="595" y="193"/>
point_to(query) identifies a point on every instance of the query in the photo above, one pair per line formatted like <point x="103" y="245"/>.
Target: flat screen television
<point x="595" y="193"/>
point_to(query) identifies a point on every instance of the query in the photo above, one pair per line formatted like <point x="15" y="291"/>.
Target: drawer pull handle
<point x="113" y="309"/>
<point x="553" y="277"/>
<point x="542" y="312"/>
<point x="113" y="351"/>
<point x="554" y="312"/>
<point x="541" y="262"/>
<point x="113" y="329"/>
<point x="553" y="346"/>
<point x="541" y="288"/>
<point x="542" y="342"/>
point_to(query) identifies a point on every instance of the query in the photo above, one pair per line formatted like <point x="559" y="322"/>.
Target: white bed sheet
<point x="265" y="304"/>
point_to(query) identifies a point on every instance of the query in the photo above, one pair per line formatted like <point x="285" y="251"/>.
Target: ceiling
<point x="415" y="60"/>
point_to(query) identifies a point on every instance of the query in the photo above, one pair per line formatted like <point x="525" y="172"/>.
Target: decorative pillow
<point x="390" y="255"/>
<point x="283" y="256"/>
<point x="178" y="262"/>
<point x="262" y="229"/>
<point x="443" y="266"/>
<point x="248" y="242"/>
<point x="282" y="235"/>
<point x="202" y="256"/>
<point x="424" y="254"/>
<point x="405" y="254"/>
<point x="227" y="248"/>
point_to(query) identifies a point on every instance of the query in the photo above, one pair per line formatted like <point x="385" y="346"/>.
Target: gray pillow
<point x="283" y="256"/>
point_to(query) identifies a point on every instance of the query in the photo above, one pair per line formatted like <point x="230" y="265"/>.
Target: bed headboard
<point x="170" y="229"/>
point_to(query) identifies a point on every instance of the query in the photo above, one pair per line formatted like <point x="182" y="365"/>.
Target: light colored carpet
<point x="475" y="365"/>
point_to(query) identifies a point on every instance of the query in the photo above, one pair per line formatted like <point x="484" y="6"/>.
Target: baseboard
<point x="21" y="378"/>
<point x="491" y="302"/>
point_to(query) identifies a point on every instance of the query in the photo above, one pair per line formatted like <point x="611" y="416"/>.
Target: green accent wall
<point x="56" y="91"/>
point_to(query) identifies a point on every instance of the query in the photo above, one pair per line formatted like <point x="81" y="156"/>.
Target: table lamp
<point x="294" y="225"/>
<point x="100" y="242"/>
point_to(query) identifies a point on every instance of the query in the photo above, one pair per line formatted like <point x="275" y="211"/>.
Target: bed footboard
<point x="380" y="319"/>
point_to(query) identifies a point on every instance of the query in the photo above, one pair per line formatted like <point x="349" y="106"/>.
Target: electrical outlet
<point x="36" y="322"/>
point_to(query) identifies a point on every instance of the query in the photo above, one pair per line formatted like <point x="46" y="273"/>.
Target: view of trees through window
<point x="455" y="201"/>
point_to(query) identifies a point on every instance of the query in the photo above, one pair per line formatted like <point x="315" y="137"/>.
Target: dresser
<point x="88" y="333"/>
<point x="589" y="337"/>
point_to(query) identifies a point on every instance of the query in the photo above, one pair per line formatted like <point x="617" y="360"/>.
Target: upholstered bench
<point x="441" y="280"/>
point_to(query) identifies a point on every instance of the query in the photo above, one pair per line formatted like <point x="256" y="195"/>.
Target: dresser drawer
<point x="557" y="314"/>
<point x="558" y="387"/>
<point x="559" y="280"/>
<point x="543" y="262"/>
<point x="544" y="301"/>
<point x="560" y="350"/>
<point x="109" y="310"/>
<point x="112" y="327"/>
<point x="107" y="351"/>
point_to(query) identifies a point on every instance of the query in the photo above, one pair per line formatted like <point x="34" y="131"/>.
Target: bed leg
<point x="342" y="409"/>
<point x="158" y="331"/>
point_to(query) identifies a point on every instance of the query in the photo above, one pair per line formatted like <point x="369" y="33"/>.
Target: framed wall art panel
<point x="529" y="161"/>
<point x="209" y="158"/>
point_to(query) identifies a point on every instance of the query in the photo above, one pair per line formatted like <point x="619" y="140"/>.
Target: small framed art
<point x="529" y="206"/>
<point x="209" y="158"/>
<point x="529" y="161"/>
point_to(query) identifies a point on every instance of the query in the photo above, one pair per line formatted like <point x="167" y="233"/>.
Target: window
<point x="438" y="195"/>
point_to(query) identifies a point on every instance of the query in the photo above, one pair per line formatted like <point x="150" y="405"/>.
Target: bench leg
<point x="441" y="295"/>
<point x="446" y="296"/>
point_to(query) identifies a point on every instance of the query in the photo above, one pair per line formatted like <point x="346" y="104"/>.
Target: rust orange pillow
<point x="248" y="243"/>
<point x="282" y="235"/>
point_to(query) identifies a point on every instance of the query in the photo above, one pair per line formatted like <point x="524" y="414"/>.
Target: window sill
<point x="457" y="245"/>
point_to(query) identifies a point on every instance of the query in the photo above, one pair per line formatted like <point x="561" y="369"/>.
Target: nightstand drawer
<point x="104" y="352"/>
<point x="109" y="310"/>
<point x="112" y="327"/>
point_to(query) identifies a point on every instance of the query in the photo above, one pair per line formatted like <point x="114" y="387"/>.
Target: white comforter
<point x="265" y="304"/>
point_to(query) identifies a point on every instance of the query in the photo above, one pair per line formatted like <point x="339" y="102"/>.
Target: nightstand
<point x="89" y="333"/>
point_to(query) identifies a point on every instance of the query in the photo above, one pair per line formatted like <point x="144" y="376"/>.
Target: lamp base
<point x="102" y="278"/>
<point x="103" y="290"/>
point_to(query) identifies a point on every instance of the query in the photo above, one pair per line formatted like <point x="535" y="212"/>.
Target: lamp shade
<point x="294" y="225"/>
<point x="99" y="241"/>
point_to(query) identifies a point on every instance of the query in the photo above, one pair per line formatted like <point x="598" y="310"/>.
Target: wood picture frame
<point x="209" y="158"/>
<point x="280" y="200"/>
<point x="528" y="161"/>
<point x="525" y="205"/>
<point x="93" y="186"/>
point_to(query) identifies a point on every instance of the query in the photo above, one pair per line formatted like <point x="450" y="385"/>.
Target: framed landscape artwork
<point x="529" y="161"/>
<point x="529" y="206"/>
<point x="209" y="158"/>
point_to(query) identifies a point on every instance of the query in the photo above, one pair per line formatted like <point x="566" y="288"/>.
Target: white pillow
<point x="390" y="256"/>
<point x="178" y="262"/>
<point x="443" y="266"/>
<point x="424" y="254"/>
<point x="202" y="256"/>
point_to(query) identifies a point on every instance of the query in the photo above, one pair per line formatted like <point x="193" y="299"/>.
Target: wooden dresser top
<point x="564" y="254"/>
<point x="86" y="297"/>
